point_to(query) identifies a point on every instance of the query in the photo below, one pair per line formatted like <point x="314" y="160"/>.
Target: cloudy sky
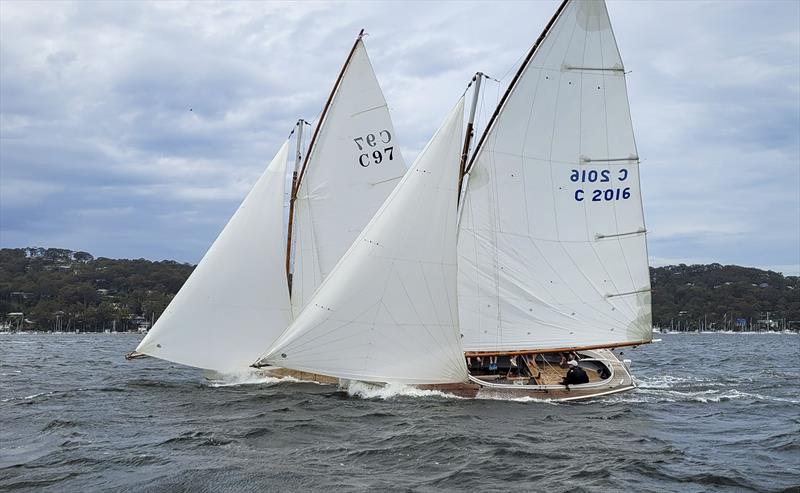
<point x="99" y="150"/>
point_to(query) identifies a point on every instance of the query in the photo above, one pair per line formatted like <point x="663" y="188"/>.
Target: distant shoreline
<point x="674" y="332"/>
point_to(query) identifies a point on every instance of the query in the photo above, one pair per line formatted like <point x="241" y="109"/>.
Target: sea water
<point x="713" y="412"/>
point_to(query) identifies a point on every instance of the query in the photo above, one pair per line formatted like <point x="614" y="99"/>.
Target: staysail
<point x="352" y="166"/>
<point x="388" y="310"/>
<point x="552" y="247"/>
<point x="236" y="302"/>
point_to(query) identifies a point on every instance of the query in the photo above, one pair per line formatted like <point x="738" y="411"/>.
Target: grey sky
<point x="99" y="149"/>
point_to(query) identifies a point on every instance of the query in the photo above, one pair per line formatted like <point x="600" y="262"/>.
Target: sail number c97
<point x="600" y="176"/>
<point x="375" y="148"/>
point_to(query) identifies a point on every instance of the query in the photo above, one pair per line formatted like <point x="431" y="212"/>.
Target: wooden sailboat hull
<point x="619" y="381"/>
<point x="476" y="388"/>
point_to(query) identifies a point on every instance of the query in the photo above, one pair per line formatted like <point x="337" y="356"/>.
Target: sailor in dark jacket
<point x="575" y="374"/>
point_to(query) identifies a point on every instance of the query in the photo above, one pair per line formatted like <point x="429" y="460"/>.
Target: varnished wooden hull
<point x="620" y="381"/>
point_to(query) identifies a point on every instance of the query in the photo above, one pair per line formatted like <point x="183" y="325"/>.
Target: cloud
<point x="135" y="128"/>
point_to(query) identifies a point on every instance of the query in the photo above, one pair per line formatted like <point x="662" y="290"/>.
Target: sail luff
<point x="296" y="183"/>
<point x="387" y="312"/>
<point x="352" y="168"/>
<point x="513" y="83"/>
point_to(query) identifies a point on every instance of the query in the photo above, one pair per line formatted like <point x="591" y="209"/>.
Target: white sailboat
<point x="552" y="245"/>
<point x="551" y="252"/>
<point x="476" y="274"/>
<point x="388" y="310"/>
<point x="236" y="302"/>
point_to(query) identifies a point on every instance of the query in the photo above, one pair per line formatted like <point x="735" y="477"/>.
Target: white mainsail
<point x="388" y="310"/>
<point x="236" y="302"/>
<point x="352" y="167"/>
<point x="552" y="247"/>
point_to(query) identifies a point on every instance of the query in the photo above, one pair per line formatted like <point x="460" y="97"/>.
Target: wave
<point x="249" y="377"/>
<point x="366" y="390"/>
<point x="28" y="397"/>
<point x="645" y="395"/>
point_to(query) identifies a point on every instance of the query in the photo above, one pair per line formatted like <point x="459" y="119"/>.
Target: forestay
<point x="236" y="301"/>
<point x="352" y="167"/>
<point x="552" y="249"/>
<point x="388" y="311"/>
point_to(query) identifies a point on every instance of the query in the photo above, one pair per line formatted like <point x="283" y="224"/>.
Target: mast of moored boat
<point x="296" y="182"/>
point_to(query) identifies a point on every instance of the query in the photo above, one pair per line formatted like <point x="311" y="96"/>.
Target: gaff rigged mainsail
<point x="236" y="301"/>
<point x="388" y="310"/>
<point x="552" y="248"/>
<point x="352" y="165"/>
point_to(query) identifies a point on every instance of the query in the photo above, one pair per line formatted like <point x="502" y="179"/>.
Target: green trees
<point x="714" y="297"/>
<point x="58" y="289"/>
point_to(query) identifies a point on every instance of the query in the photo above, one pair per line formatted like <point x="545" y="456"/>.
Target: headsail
<point x="236" y="301"/>
<point x="387" y="312"/>
<point x="352" y="166"/>
<point x="552" y="248"/>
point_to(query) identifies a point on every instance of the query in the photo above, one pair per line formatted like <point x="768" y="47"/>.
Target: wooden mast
<point x="514" y="81"/>
<point x="296" y="182"/>
<point x="469" y="132"/>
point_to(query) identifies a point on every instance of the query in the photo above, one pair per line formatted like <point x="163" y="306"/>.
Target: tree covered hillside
<point x="716" y="296"/>
<point x="59" y="289"/>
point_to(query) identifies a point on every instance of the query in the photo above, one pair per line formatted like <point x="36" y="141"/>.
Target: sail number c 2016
<point x="600" y="176"/>
<point x="375" y="145"/>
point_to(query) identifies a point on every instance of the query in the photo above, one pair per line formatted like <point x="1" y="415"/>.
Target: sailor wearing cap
<point x="575" y="375"/>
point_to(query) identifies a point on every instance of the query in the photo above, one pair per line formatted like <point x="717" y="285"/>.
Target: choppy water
<point x="713" y="413"/>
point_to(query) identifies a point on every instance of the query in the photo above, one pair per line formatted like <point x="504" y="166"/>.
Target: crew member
<point x="575" y="375"/>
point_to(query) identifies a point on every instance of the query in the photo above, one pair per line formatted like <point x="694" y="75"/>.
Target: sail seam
<point x="384" y="105"/>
